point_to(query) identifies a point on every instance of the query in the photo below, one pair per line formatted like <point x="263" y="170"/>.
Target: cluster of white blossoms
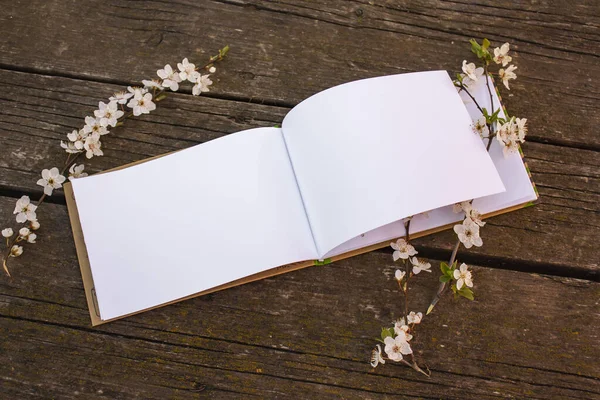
<point x="135" y="101"/>
<point x="25" y="214"/>
<point x="468" y="231"/>
<point x="403" y="251"/>
<point x="511" y="133"/>
<point x="472" y="73"/>
<point x="396" y="340"/>
<point x="139" y="101"/>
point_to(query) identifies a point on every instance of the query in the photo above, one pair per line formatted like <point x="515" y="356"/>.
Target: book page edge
<point x="82" y="255"/>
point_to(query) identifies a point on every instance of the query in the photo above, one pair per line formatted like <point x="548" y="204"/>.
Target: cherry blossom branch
<point x="509" y="132"/>
<point x="87" y="140"/>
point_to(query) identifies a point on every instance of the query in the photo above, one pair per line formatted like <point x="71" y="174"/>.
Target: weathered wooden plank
<point x="285" y="51"/>
<point x="37" y="111"/>
<point x="307" y="332"/>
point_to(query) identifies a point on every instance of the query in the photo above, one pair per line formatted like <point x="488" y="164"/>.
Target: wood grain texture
<point x="285" y="51"/>
<point x="307" y="332"/>
<point x="38" y="111"/>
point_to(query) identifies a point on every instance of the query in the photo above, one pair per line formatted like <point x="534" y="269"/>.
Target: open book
<point x="347" y="165"/>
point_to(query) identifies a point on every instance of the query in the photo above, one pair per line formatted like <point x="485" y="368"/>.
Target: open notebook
<point x="347" y="165"/>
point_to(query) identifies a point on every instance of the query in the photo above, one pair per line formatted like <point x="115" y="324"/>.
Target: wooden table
<point x="533" y="330"/>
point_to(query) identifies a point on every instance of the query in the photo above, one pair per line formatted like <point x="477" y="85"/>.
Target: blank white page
<point x="371" y="152"/>
<point x="192" y="220"/>
<point x="511" y="169"/>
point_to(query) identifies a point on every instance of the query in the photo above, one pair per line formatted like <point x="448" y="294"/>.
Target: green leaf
<point x="445" y="278"/>
<point x="475" y="47"/>
<point x="223" y="52"/>
<point x="466" y="292"/>
<point x="485" y="44"/>
<point x="385" y="332"/>
<point x="444" y="268"/>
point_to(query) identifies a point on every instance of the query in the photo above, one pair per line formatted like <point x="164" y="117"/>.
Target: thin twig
<point x="416" y="367"/>
<point x="443" y="285"/>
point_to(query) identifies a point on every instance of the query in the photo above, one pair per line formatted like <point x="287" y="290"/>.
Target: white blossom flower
<point x="25" y="210"/>
<point x="93" y="125"/>
<point x="521" y="128"/>
<point x="511" y="146"/>
<point x="51" y="179"/>
<point x="401" y="329"/>
<point x="16" y="251"/>
<point x="93" y="146"/>
<point x="480" y="127"/>
<point x="202" y="84"/>
<point x="463" y="276"/>
<point x="8" y="232"/>
<point x="376" y="357"/>
<point x="69" y="147"/>
<point x="414" y="318"/>
<point x="462" y="206"/>
<point x="420" y="265"/>
<point x="501" y="55"/>
<point x="170" y="78"/>
<point x="76" y="171"/>
<point x="471" y="71"/>
<point x="396" y="347"/>
<point x="35" y="225"/>
<point x="507" y="74"/>
<point x="510" y="134"/>
<point x="468" y="233"/>
<point x="142" y="104"/>
<point x="212" y="70"/>
<point x="77" y="137"/>
<point x="26" y="234"/>
<point x="402" y="249"/>
<point x="475" y="216"/>
<point x="121" y="97"/>
<point x="399" y="275"/>
<point x="152" y="83"/>
<point x="136" y="91"/>
<point x="108" y="114"/>
<point x="187" y="70"/>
